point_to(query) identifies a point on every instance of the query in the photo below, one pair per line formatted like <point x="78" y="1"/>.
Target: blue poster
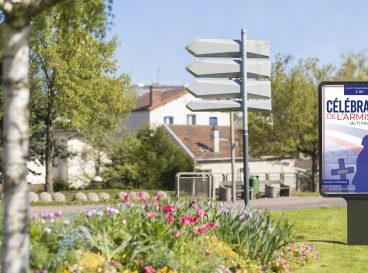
<point x="344" y="138"/>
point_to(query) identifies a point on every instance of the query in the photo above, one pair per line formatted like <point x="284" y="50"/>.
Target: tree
<point x="15" y="83"/>
<point x="353" y="68"/>
<point x="292" y="127"/>
<point x="77" y="70"/>
<point x="149" y="159"/>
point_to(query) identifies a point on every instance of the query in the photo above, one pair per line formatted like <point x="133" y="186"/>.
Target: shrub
<point x="149" y="159"/>
<point x="254" y="234"/>
<point x="60" y="184"/>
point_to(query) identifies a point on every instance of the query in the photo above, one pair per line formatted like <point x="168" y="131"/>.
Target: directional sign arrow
<point x="214" y="68"/>
<point x="228" y="105"/>
<point x="228" y="89"/>
<point x="228" y="48"/>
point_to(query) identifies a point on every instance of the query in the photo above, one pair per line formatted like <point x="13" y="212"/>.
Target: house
<point x="158" y="107"/>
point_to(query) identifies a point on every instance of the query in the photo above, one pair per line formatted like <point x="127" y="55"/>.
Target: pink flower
<point x="207" y="253"/>
<point x="186" y="220"/>
<point x="148" y="269"/>
<point x="212" y="225"/>
<point x="176" y="234"/>
<point x="168" y="209"/>
<point x="201" y="213"/>
<point x="139" y="194"/>
<point x="143" y="200"/>
<point x="170" y="218"/>
<point x="201" y="229"/>
<point x="151" y="214"/>
<point x="157" y="197"/>
<point x="127" y="197"/>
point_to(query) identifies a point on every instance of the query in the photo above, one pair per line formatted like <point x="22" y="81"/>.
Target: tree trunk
<point x="49" y="155"/>
<point x="314" y="172"/>
<point x="15" y="256"/>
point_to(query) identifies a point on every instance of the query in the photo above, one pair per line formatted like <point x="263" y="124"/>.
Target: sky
<point x="153" y="33"/>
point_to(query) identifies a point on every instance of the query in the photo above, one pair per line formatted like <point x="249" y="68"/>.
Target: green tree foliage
<point x="149" y="159"/>
<point x="353" y="68"/>
<point x="76" y="71"/>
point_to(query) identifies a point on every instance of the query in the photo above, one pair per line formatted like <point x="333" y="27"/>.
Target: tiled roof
<point x="199" y="141"/>
<point x="144" y="101"/>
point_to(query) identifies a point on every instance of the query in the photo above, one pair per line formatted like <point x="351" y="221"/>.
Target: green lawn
<point x="305" y="193"/>
<point x="325" y="228"/>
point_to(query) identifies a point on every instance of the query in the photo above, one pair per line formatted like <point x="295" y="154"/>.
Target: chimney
<point x="155" y="93"/>
<point x="216" y="139"/>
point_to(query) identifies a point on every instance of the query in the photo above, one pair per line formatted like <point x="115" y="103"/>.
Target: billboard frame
<point x="320" y="140"/>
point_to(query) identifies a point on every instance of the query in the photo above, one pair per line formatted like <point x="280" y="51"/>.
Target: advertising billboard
<point x="343" y="135"/>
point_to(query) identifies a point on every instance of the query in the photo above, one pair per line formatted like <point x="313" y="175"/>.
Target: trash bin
<point x="254" y="183"/>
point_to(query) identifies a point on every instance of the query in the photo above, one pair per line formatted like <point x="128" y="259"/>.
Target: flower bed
<point x="153" y="235"/>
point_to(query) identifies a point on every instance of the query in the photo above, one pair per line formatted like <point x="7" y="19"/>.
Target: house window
<point x="213" y="121"/>
<point x="191" y="119"/>
<point x="169" y="120"/>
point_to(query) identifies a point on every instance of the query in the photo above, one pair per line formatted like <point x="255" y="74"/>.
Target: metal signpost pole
<point x="232" y="137"/>
<point x="245" y="114"/>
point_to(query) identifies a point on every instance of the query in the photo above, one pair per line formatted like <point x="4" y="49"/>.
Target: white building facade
<point x="157" y="108"/>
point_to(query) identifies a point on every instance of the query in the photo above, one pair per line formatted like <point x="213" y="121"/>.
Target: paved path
<point x="68" y="209"/>
<point x="281" y="203"/>
<point x="292" y="203"/>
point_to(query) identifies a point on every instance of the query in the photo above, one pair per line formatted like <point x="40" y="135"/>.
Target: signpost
<point x="228" y="48"/>
<point x="343" y="151"/>
<point x="229" y="89"/>
<point x="228" y="105"/>
<point x="209" y="68"/>
<point x="252" y="95"/>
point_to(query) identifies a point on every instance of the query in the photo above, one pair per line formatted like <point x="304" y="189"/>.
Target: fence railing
<point x="194" y="184"/>
<point x="207" y="184"/>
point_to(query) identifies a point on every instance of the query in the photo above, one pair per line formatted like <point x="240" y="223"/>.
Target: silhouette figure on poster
<point x="360" y="179"/>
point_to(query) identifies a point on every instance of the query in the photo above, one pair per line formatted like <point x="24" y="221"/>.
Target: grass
<point x="305" y="193"/>
<point x="325" y="228"/>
